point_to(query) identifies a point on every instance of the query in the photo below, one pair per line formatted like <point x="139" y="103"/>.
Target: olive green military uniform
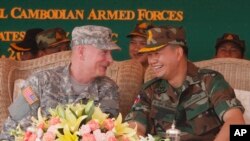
<point x="197" y="106"/>
<point x="53" y="87"/>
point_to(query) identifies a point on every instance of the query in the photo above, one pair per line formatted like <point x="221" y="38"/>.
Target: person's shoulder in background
<point x="52" y="40"/>
<point x="27" y="49"/>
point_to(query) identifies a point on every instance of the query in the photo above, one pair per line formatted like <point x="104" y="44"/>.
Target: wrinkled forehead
<point x="92" y="49"/>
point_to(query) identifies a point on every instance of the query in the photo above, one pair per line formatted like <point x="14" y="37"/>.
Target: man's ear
<point x="180" y="52"/>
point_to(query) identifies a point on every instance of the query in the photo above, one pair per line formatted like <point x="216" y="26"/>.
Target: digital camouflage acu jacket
<point x="53" y="87"/>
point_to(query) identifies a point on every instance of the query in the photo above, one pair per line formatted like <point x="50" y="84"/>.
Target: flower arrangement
<point x="76" y="122"/>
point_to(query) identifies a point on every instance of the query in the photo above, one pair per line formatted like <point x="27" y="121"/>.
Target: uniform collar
<point x="191" y="78"/>
<point x="192" y="74"/>
<point x="66" y="72"/>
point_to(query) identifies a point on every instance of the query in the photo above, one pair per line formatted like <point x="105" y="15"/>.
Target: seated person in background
<point x="52" y="40"/>
<point x="83" y="79"/>
<point x="199" y="101"/>
<point x="27" y="49"/>
<point x="230" y="46"/>
<point x="137" y="41"/>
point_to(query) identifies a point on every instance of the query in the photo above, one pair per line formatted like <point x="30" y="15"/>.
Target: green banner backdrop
<point x="204" y="20"/>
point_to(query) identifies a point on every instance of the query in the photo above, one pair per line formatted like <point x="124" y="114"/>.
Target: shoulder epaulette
<point x="211" y="73"/>
<point x="206" y="71"/>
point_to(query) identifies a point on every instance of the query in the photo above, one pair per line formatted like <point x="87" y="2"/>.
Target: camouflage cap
<point x="230" y="37"/>
<point x="98" y="36"/>
<point x="159" y="37"/>
<point x="140" y="29"/>
<point x="29" y="42"/>
<point x="51" y="38"/>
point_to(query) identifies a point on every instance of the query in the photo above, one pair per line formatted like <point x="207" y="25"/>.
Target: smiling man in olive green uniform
<point x="200" y="101"/>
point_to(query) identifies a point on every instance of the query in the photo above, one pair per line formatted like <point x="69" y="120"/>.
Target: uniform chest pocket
<point x="162" y="110"/>
<point x="200" y="116"/>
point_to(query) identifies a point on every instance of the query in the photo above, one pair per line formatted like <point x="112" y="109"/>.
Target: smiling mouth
<point x="157" y="68"/>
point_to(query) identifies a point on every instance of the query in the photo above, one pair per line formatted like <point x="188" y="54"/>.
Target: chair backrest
<point x="235" y="71"/>
<point x="127" y="74"/>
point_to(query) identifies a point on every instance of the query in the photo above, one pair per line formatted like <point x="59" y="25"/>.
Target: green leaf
<point x="60" y="111"/>
<point x="89" y="109"/>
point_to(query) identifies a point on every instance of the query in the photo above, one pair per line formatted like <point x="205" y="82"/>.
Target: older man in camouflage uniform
<point x="200" y="101"/>
<point x="83" y="79"/>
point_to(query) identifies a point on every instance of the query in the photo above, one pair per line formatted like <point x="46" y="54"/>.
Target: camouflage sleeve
<point x="20" y="111"/>
<point x="8" y="125"/>
<point x="37" y="81"/>
<point x="11" y="124"/>
<point x="109" y="102"/>
<point x="140" y="110"/>
<point x="222" y="95"/>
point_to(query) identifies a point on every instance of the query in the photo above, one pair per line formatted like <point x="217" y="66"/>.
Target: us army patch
<point x="29" y="95"/>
